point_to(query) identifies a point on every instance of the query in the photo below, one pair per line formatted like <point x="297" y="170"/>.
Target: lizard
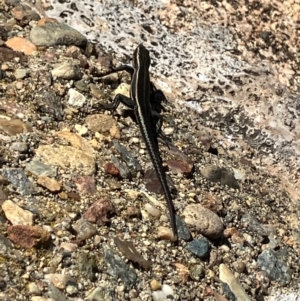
<point x="143" y="95"/>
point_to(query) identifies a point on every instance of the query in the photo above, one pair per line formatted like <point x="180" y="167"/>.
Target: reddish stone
<point x="111" y="169"/>
<point x="152" y="182"/>
<point x="179" y="166"/>
<point x="28" y="236"/>
<point x="24" y="14"/>
<point x="73" y="195"/>
<point x="100" y="211"/>
<point x="85" y="184"/>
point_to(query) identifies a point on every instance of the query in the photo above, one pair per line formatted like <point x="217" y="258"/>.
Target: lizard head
<point x="141" y="56"/>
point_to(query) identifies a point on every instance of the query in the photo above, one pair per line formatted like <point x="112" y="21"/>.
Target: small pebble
<point x="183" y="230"/>
<point x="159" y="296"/>
<point x="81" y="130"/>
<point x="164" y="293"/>
<point x="203" y="220"/>
<point x="19" y="85"/>
<point x="84" y="229"/>
<point x="33" y="289"/>
<point x="165" y="233"/>
<point x="20" y="73"/>
<point x="199" y="247"/>
<point x="72" y="290"/>
<point x="152" y="210"/>
<point x="168" y="290"/>
<point x="155" y="285"/>
<point x="196" y="272"/>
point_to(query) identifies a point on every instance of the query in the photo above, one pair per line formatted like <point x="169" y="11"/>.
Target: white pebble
<point x="167" y="289"/>
<point x="159" y="296"/>
<point x="81" y="129"/>
<point x="152" y="210"/>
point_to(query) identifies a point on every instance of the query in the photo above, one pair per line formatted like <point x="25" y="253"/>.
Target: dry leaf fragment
<point x="130" y="252"/>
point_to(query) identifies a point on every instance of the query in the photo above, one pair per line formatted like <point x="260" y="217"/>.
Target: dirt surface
<point x="82" y="213"/>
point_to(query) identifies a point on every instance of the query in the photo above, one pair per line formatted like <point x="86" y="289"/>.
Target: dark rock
<point x="19" y="180"/>
<point x="50" y="104"/>
<point x="200" y="247"/>
<point x="111" y="169"/>
<point x="5" y="242"/>
<point x="274" y="264"/>
<point x="183" y="230"/>
<point x="130" y="252"/>
<point x="153" y="183"/>
<point x="55" y="294"/>
<point x="3" y="196"/>
<point x="122" y="167"/>
<point x="126" y="155"/>
<point x="7" y="54"/>
<point x="227" y="291"/>
<point x="118" y="268"/>
<point x="3" y="34"/>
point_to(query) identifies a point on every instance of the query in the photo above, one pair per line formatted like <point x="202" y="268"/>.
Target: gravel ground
<point x="83" y="217"/>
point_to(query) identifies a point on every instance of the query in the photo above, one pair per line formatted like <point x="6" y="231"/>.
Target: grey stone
<point x="56" y="294"/>
<point x="123" y="168"/>
<point x="118" y="268"/>
<point x="84" y="229"/>
<point x="254" y="225"/>
<point x="19" y="180"/>
<point x="5" y="242"/>
<point x="183" y="230"/>
<point x="56" y="34"/>
<point x="126" y="155"/>
<point x="39" y="168"/>
<point x="276" y="267"/>
<point x="87" y="264"/>
<point x="20" y="147"/>
<point x="221" y="175"/>
<point x="200" y="247"/>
